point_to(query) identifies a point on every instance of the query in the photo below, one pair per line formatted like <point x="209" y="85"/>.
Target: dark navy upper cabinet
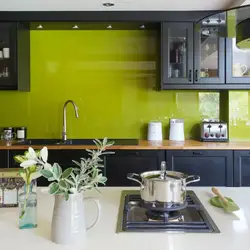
<point x="177" y="53"/>
<point x="131" y="161"/>
<point x="241" y="168"/>
<point x="192" y="58"/>
<point x="14" y="65"/>
<point x="215" y="167"/>
<point x="4" y="159"/>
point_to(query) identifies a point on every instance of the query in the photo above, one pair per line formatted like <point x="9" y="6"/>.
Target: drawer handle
<point x="137" y="154"/>
<point x="198" y="153"/>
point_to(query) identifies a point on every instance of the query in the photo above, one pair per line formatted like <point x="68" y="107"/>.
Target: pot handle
<point x="131" y="175"/>
<point x="98" y="206"/>
<point x="193" y="178"/>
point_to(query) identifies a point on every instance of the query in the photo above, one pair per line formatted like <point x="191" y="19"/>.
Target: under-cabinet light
<point x="109" y="26"/>
<point x="39" y="26"/>
<point x="75" y="27"/>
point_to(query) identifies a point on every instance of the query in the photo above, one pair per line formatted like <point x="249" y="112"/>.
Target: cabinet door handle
<point x="190" y="75"/>
<point x="196" y="75"/>
<point x="137" y="154"/>
<point x="198" y="153"/>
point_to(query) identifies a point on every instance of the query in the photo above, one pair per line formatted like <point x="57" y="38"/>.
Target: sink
<point x="45" y="142"/>
<point x="55" y="142"/>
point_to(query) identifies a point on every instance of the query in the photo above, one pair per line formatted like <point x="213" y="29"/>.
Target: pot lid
<point x="231" y="23"/>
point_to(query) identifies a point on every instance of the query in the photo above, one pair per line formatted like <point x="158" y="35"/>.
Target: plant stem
<point x="27" y="188"/>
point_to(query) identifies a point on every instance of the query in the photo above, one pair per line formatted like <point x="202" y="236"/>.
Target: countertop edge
<point x="145" y="145"/>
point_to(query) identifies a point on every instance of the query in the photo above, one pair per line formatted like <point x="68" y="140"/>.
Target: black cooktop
<point x="134" y="217"/>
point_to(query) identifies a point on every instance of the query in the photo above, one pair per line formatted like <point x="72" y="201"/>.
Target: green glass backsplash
<point x="112" y="76"/>
<point x="239" y="115"/>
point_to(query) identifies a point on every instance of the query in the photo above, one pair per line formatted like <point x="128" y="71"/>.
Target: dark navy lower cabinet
<point x="242" y="168"/>
<point x="215" y="167"/>
<point x="4" y="159"/>
<point x="131" y="161"/>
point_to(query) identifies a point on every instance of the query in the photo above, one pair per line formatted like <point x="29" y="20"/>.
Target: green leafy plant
<point x="31" y="164"/>
<point x="86" y="175"/>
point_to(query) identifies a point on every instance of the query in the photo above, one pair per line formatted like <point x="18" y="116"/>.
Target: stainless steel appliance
<point x="135" y="216"/>
<point x="168" y="187"/>
<point x="214" y="130"/>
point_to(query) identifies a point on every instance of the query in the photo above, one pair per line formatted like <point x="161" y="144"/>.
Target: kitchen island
<point x="234" y="228"/>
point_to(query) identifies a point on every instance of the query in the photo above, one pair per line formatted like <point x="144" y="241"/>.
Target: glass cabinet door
<point x="237" y="63"/>
<point x="177" y="53"/>
<point x="209" y="56"/>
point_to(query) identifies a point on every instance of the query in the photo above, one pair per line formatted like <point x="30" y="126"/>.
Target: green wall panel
<point x="112" y="76"/>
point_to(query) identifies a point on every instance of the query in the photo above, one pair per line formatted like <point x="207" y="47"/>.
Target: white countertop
<point x="235" y="228"/>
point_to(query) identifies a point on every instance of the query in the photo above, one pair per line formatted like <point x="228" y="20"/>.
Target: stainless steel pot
<point x="164" y="186"/>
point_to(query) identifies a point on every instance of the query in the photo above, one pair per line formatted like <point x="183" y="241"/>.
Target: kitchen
<point x="113" y="75"/>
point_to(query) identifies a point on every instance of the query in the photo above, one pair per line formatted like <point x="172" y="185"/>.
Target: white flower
<point x="44" y="154"/>
<point x="28" y="163"/>
<point x="35" y="175"/>
<point x="31" y="154"/>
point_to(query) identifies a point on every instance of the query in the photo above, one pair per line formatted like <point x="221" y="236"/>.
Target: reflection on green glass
<point x="112" y="75"/>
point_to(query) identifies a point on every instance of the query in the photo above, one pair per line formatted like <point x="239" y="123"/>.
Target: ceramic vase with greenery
<point x="68" y="186"/>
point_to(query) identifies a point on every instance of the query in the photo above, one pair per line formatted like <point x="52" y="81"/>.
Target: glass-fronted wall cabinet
<point x="14" y="57"/>
<point x="177" y="53"/>
<point x="191" y="55"/>
<point x="237" y="63"/>
<point x="209" y="53"/>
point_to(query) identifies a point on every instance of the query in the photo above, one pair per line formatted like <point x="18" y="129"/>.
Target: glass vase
<point x="27" y="204"/>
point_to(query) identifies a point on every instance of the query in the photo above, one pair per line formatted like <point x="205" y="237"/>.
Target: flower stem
<point x="27" y="188"/>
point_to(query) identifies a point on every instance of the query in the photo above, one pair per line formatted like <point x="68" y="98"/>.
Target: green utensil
<point x="220" y="201"/>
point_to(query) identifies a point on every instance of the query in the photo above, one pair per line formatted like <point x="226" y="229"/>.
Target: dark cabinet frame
<point x="228" y="154"/>
<point x="19" y="70"/>
<point x="165" y="55"/>
<point x="239" y="81"/>
<point x="221" y="62"/>
<point x="238" y="166"/>
<point x="193" y="81"/>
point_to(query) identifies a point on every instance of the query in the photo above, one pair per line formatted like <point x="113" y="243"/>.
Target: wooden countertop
<point x="147" y="145"/>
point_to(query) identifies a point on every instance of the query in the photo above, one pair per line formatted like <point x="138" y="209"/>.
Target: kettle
<point x="176" y="132"/>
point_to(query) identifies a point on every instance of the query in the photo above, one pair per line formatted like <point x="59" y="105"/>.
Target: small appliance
<point x="155" y="131"/>
<point x="214" y="131"/>
<point x="176" y="132"/>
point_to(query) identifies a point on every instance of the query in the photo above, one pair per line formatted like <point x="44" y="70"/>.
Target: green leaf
<point x="19" y="158"/>
<point x="77" y="163"/>
<point x="66" y="195"/>
<point x="63" y="184"/>
<point x="105" y="140"/>
<point x="57" y="170"/>
<point x="53" y="188"/>
<point x="67" y="172"/>
<point x="46" y="173"/>
<point x="51" y="179"/>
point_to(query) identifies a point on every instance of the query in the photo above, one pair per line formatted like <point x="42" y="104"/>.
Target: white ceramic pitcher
<point x="68" y="222"/>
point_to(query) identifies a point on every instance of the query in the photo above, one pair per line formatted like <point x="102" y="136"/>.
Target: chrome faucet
<point x="64" y="134"/>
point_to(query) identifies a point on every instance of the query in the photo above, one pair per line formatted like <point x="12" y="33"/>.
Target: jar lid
<point x="21" y="128"/>
<point x="8" y="128"/>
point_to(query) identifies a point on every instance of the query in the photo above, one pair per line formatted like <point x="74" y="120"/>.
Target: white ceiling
<point x="130" y="5"/>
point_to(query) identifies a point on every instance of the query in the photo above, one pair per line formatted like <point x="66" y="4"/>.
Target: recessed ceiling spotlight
<point x="75" y="27"/>
<point x="142" y="26"/>
<point x="39" y="26"/>
<point x="109" y="26"/>
<point x="108" y="4"/>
